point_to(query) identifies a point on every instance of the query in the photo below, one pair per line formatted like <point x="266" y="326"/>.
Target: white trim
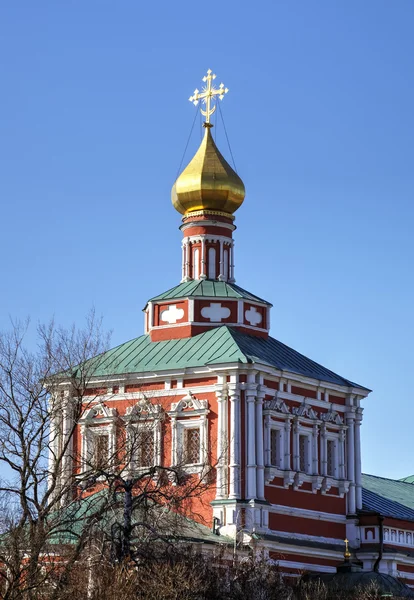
<point x="300" y="566"/>
<point x="306" y="538"/>
<point x="306" y="513"/>
<point x="208" y="324"/>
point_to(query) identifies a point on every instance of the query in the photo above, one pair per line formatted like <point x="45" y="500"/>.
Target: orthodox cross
<point x="347" y="554"/>
<point x="208" y="94"/>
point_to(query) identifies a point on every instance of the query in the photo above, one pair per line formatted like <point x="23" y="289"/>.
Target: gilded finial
<point x="347" y="554"/>
<point x="207" y="95"/>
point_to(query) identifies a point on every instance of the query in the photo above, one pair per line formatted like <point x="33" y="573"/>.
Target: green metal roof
<point x="409" y="479"/>
<point x="210" y="289"/>
<point x="216" y="346"/>
<point x="389" y="497"/>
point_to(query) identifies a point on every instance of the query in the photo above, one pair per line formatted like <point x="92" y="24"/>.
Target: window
<point x="189" y="429"/>
<point x="100" y="451"/>
<point x="330" y="458"/>
<point x="191" y="446"/>
<point x="98" y="432"/>
<point x="143" y="426"/>
<point x="303" y="453"/>
<point x="275" y="447"/>
<point x="211" y="263"/>
<point x="196" y="263"/>
<point x="145" y="448"/>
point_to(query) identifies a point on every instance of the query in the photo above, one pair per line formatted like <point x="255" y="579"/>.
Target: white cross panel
<point x="253" y="317"/>
<point x="215" y="312"/>
<point x="172" y="314"/>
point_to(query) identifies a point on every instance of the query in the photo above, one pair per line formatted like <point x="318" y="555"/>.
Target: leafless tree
<point x="118" y="504"/>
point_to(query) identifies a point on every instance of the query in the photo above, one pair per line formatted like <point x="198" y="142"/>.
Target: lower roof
<point x="389" y="497"/>
<point x="217" y="346"/>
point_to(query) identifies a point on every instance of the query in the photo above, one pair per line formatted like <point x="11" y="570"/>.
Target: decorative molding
<point x="143" y="409"/>
<point x="253" y="316"/>
<point x="189" y="402"/>
<point x="215" y="312"/>
<point x="172" y="314"/>
<point x="99" y="411"/>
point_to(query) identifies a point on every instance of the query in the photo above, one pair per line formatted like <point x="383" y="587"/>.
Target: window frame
<point x="189" y="413"/>
<point x="139" y="416"/>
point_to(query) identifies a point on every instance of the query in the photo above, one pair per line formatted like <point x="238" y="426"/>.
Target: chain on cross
<point x="208" y="95"/>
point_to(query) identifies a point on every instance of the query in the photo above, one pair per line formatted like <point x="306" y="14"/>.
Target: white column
<point x="324" y="463"/>
<point x="260" y="447"/>
<point x="231" y="259"/>
<point x="358" y="476"/>
<point x="315" y="465"/>
<point x="67" y="458"/>
<point x="183" y="261"/>
<point x="251" y="388"/>
<point x="221" y="265"/>
<point x="296" y="451"/>
<point x="267" y="448"/>
<point x="222" y="447"/>
<point x="287" y="461"/>
<point x="234" y="466"/>
<point x="342" y="454"/>
<point x="350" y="417"/>
<point x="203" y="273"/>
<point x="187" y="260"/>
<point x="53" y="441"/>
<point x="174" y="445"/>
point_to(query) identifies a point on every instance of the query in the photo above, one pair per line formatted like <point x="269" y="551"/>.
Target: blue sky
<point x="94" y="118"/>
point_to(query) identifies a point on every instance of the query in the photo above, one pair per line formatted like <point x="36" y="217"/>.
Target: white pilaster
<point x="323" y="457"/>
<point x="221" y="265"/>
<point x="288" y="425"/>
<point x="342" y="453"/>
<point x="260" y="446"/>
<point x="222" y="439"/>
<point x="251" y="435"/>
<point x="315" y="459"/>
<point x="203" y="271"/>
<point x="296" y="451"/>
<point x="232" y="279"/>
<point x="183" y="261"/>
<point x="67" y="458"/>
<point x="234" y="466"/>
<point x="358" y="476"/>
<point x="350" y="419"/>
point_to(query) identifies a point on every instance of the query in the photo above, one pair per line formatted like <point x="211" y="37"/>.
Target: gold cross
<point x="347" y="553"/>
<point x="207" y="95"/>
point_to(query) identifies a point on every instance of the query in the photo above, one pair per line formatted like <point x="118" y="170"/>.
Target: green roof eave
<point x="218" y="346"/>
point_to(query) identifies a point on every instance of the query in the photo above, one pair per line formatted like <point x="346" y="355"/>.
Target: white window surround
<point x="189" y="413"/>
<point x="143" y="416"/>
<point x="211" y="263"/>
<point x="304" y="419"/>
<point x="304" y="433"/>
<point x="98" y="420"/>
<point x="279" y="426"/>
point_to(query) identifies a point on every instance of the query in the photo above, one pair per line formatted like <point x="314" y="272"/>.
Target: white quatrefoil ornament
<point x="215" y="312"/>
<point x="172" y="314"/>
<point x="253" y="317"/>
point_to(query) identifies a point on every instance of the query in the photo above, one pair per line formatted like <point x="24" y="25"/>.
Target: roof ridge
<point x="386" y="478"/>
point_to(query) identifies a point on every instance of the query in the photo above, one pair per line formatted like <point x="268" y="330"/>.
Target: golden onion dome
<point x="208" y="182"/>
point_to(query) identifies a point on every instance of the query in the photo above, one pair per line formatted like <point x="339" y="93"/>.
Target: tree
<point x="115" y="508"/>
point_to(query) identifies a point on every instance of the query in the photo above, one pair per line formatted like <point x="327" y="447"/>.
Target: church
<point x="280" y="432"/>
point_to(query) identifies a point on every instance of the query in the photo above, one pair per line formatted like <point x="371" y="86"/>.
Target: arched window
<point x="211" y="263"/>
<point x="196" y="264"/>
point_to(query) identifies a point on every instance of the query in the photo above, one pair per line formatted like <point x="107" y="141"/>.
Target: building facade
<point x="280" y="433"/>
